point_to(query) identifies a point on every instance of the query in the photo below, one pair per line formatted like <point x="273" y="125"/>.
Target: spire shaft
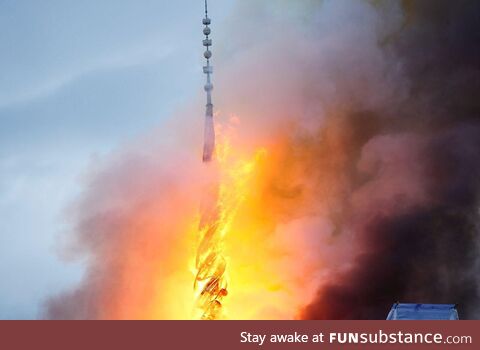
<point x="209" y="136"/>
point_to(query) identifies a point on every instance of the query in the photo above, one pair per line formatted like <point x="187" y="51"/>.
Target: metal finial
<point x="206" y="8"/>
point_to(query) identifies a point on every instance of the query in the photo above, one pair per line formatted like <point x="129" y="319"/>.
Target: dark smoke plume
<point x="427" y="252"/>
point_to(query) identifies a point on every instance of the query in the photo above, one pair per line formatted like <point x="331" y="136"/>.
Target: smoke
<point x="415" y="211"/>
<point x="368" y="111"/>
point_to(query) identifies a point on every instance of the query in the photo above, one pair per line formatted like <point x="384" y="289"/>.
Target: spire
<point x="209" y="136"/>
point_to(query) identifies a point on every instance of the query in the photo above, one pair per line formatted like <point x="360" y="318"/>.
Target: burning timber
<point x="210" y="280"/>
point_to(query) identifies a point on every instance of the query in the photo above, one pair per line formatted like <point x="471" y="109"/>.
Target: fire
<point x="255" y="257"/>
<point x="250" y="257"/>
<point x="247" y="266"/>
<point x="218" y="212"/>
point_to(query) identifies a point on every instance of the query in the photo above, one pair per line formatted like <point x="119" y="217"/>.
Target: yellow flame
<point x="245" y="251"/>
<point x="218" y="213"/>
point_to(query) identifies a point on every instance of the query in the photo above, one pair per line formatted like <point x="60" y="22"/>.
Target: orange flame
<point x="218" y="213"/>
<point x="253" y="246"/>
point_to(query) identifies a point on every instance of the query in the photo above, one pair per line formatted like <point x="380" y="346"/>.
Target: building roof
<point x="423" y="312"/>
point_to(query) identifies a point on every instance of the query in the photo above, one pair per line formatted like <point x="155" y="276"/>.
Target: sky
<point x="77" y="80"/>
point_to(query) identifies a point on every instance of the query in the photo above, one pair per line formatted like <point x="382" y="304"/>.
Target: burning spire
<point x="210" y="280"/>
<point x="209" y="141"/>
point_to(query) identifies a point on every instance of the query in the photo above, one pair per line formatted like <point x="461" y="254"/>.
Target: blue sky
<point x="78" y="79"/>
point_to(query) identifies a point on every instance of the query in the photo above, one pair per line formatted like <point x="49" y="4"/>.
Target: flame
<point x="215" y="224"/>
<point x="243" y="259"/>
